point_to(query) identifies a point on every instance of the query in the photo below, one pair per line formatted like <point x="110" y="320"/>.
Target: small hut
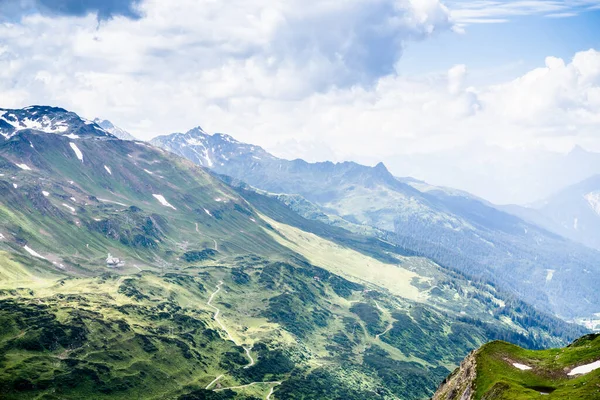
<point x="114" y="261"/>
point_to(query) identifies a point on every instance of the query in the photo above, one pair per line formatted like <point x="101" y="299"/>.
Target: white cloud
<point x="203" y="54"/>
<point x="500" y="11"/>
<point x="312" y="79"/>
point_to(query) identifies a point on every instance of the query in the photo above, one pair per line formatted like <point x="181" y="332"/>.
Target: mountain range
<point x="219" y="290"/>
<point x="450" y="226"/>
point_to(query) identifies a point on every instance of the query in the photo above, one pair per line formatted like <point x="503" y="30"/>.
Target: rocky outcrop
<point x="460" y="384"/>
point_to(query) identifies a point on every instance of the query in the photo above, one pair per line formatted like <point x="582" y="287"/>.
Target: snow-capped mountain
<point x="47" y="119"/>
<point x="210" y="151"/>
<point x="113" y="129"/>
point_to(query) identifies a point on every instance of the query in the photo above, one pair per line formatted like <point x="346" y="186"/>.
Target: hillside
<point x="503" y="371"/>
<point x="452" y="227"/>
<point x="224" y="293"/>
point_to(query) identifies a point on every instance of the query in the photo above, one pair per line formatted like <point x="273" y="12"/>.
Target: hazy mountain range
<point x="451" y="226"/>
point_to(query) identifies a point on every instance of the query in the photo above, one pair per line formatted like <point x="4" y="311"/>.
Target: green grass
<point x="549" y="373"/>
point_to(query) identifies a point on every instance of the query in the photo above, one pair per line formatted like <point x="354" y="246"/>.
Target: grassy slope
<point x="80" y="240"/>
<point x="497" y="375"/>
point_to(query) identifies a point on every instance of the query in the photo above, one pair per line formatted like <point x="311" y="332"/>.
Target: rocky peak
<point x="48" y="120"/>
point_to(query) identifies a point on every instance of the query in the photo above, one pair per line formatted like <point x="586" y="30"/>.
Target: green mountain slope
<point x="224" y="293"/>
<point x="500" y="370"/>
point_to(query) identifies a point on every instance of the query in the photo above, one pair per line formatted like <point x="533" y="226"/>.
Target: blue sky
<point x="363" y="80"/>
<point x="514" y="46"/>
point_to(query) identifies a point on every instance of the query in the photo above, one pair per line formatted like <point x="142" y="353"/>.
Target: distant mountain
<point x="455" y="228"/>
<point x="224" y="292"/>
<point x="503" y="371"/>
<point x="115" y="130"/>
<point x="210" y="151"/>
<point x="573" y="212"/>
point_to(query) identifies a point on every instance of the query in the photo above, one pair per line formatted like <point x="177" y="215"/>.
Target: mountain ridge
<point x="449" y="225"/>
<point x="46" y="119"/>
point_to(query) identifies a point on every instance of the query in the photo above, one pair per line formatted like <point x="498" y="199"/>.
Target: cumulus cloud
<point x="312" y="79"/>
<point x="203" y="54"/>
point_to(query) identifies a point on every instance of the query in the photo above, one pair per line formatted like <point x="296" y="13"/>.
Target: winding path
<point x="271" y="392"/>
<point x="202" y="234"/>
<point x="248" y="385"/>
<point x="213" y="382"/>
<point x="230" y="337"/>
<point x="390" y="325"/>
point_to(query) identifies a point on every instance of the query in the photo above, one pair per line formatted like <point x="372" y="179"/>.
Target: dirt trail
<point x="390" y="326"/>
<point x="213" y="382"/>
<point x="248" y="385"/>
<point x="229" y="336"/>
<point x="246" y="349"/>
<point x="202" y="234"/>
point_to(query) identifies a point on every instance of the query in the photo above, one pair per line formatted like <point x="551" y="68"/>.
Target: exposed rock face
<point x="459" y="385"/>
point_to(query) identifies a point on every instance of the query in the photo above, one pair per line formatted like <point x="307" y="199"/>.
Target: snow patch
<point x="24" y="166"/>
<point x="207" y="158"/>
<point x="575" y="223"/>
<point x="78" y="152"/>
<point x="15" y="185"/>
<point x="161" y="199"/>
<point x="149" y="172"/>
<point x="1" y="236"/>
<point x="69" y="207"/>
<point x="522" y="367"/>
<point x="108" y="170"/>
<point x="208" y="212"/>
<point x="584" y="369"/>
<point x="71" y="136"/>
<point x="46" y="194"/>
<point x="549" y="275"/>
<point x="33" y="252"/>
<point x="593" y="199"/>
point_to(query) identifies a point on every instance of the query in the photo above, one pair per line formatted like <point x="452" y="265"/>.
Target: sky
<point x="421" y="84"/>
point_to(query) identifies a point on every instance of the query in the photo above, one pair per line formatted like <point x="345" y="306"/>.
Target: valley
<point x="451" y="227"/>
<point x="224" y="292"/>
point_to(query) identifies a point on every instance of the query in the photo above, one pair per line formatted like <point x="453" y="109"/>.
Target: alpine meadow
<point x="401" y="200"/>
